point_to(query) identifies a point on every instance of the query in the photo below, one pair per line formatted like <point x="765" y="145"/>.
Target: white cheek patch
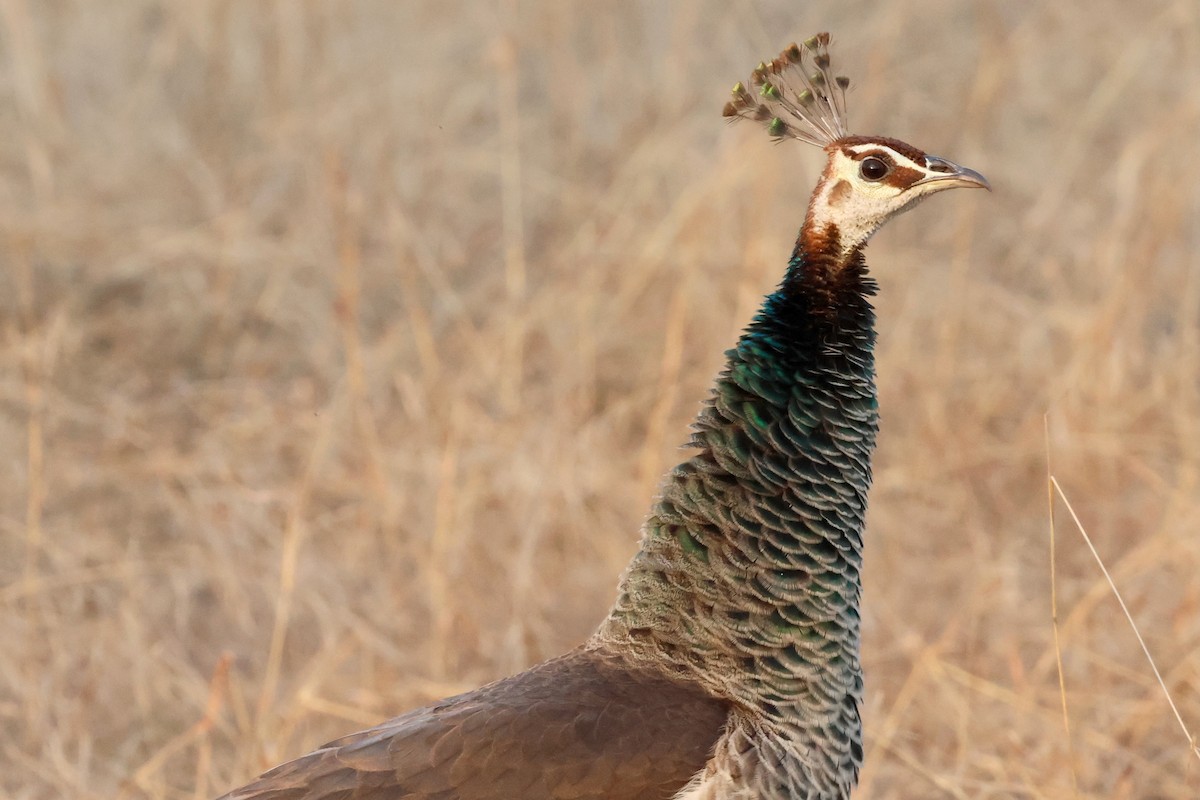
<point x="854" y="206"/>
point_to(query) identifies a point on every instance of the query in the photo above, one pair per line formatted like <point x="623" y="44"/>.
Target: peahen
<point x="729" y="665"/>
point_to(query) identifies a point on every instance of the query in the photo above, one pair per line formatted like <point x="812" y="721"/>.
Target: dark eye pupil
<point x="874" y="169"/>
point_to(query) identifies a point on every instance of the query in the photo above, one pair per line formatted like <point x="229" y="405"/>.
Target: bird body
<point x="728" y="668"/>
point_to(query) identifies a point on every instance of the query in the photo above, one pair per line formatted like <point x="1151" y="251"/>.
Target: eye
<point x="874" y="169"/>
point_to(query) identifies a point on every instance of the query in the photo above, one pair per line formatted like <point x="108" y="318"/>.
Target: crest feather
<point x="796" y="95"/>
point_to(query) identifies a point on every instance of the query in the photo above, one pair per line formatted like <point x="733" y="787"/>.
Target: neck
<point x="747" y="579"/>
<point x="835" y="206"/>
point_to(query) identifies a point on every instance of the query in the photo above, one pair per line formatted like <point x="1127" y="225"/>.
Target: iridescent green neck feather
<point x="748" y="575"/>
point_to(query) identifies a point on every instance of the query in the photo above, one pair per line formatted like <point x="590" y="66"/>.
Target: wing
<point x="581" y="727"/>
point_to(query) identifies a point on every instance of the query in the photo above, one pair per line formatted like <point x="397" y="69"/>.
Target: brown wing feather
<point x="581" y="727"/>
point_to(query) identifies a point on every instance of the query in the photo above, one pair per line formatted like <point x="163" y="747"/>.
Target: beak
<point x="951" y="175"/>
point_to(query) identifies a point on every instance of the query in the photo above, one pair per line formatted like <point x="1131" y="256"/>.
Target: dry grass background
<point x="342" y="346"/>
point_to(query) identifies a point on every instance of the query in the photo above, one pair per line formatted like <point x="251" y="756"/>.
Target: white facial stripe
<point x="899" y="159"/>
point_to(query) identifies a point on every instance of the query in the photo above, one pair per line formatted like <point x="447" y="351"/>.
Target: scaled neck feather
<point x="792" y="416"/>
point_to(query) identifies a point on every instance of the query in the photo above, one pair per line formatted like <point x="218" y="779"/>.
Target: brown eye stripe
<point x="903" y="177"/>
<point x="900" y="177"/>
<point x="878" y="154"/>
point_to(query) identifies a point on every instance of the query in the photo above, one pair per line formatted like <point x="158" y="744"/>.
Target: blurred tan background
<point x="342" y="346"/>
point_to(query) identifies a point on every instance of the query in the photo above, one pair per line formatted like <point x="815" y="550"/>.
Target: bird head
<point x="867" y="179"/>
